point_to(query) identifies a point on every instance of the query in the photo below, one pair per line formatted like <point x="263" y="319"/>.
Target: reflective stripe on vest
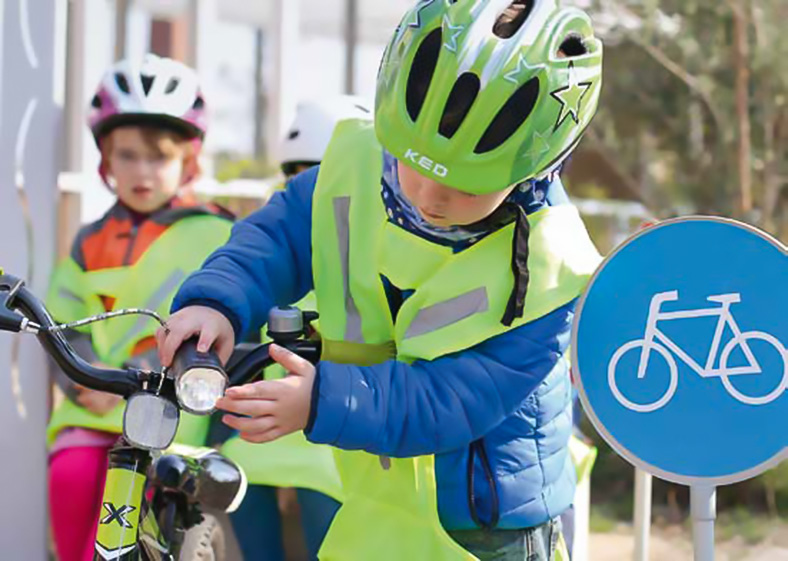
<point x="448" y="312"/>
<point x="390" y="509"/>
<point x="342" y="216"/>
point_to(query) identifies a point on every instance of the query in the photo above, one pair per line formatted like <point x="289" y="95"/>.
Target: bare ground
<point x="675" y="544"/>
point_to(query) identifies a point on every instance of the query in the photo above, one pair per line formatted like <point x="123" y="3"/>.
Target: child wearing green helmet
<point x="446" y="260"/>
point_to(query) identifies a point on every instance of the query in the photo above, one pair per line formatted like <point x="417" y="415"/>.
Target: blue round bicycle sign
<point x="679" y="350"/>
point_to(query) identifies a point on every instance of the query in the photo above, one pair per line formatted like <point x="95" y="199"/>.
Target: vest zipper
<point x="477" y="447"/>
<point x="130" y="247"/>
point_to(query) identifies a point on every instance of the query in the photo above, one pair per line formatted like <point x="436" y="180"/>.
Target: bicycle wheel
<point x="204" y="542"/>
<point x="672" y="383"/>
<point x="749" y="399"/>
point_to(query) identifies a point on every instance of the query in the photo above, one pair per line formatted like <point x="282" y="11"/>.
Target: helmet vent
<point x="573" y="46"/>
<point x="147" y="83"/>
<point x="511" y="117"/>
<point x="122" y="83"/>
<point x="460" y="101"/>
<point x="171" y="85"/>
<point x="513" y="18"/>
<point x="421" y="73"/>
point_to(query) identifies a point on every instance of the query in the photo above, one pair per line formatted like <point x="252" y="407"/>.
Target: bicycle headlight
<point x="199" y="379"/>
<point x="200" y="388"/>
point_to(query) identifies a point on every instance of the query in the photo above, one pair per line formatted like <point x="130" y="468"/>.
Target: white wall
<point x="30" y="135"/>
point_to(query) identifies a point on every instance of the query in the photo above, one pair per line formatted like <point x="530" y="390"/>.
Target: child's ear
<point x="192" y="170"/>
<point x="105" y="171"/>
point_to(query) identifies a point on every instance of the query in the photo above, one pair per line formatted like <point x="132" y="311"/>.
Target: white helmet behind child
<point x="314" y="123"/>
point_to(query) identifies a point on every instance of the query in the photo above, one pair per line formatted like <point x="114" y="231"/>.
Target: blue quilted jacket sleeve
<point x="430" y="407"/>
<point x="267" y="261"/>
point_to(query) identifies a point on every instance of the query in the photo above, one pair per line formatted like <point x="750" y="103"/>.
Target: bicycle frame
<point x="122" y="534"/>
<point x="129" y="528"/>
<point x="725" y="318"/>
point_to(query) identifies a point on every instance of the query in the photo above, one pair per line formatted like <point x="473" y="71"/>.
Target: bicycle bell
<point x="285" y="324"/>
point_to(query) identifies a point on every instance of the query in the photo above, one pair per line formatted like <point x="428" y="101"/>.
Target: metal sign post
<point x="679" y="354"/>
<point x="642" y="514"/>
<point x="703" y="503"/>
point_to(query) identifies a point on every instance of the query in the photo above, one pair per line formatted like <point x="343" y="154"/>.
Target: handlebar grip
<point x="10" y="320"/>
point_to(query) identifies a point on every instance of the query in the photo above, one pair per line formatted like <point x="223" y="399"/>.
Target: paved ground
<point x="667" y="544"/>
<point x="673" y="544"/>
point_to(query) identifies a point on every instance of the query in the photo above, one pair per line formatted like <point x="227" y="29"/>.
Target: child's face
<point x="443" y="206"/>
<point x="147" y="173"/>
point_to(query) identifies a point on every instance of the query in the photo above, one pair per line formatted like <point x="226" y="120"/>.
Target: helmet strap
<point x="522" y="231"/>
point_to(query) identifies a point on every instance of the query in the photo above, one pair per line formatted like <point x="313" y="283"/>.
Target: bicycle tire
<point x="204" y="542"/>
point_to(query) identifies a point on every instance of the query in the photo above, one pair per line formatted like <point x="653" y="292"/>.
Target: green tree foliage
<point x="694" y="105"/>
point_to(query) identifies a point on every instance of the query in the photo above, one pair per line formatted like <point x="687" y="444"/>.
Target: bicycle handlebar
<point x="14" y="296"/>
<point x="245" y="364"/>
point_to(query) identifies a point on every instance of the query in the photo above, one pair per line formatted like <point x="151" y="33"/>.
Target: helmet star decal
<point x="390" y="68"/>
<point x="414" y="18"/>
<point x="538" y="147"/>
<point x="454" y="32"/>
<point x="522" y="68"/>
<point x="571" y="98"/>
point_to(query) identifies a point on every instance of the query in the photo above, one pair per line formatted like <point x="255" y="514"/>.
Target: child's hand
<point x="273" y="408"/>
<point x="98" y="403"/>
<point x="214" y="330"/>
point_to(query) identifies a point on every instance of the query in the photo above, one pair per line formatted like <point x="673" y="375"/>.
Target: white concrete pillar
<point x="284" y="31"/>
<point x="202" y="16"/>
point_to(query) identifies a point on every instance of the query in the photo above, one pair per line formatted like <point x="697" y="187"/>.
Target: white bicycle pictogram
<point x="656" y="340"/>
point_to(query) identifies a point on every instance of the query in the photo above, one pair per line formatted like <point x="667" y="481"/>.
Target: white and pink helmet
<point x="156" y="90"/>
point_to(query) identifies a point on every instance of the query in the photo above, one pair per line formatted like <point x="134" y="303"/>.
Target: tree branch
<point x="691" y="81"/>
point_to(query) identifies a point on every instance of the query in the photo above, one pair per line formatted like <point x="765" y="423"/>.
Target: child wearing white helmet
<point x="148" y="119"/>
<point x="305" y="143"/>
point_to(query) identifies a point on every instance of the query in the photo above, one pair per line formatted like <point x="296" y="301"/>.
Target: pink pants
<point x="76" y="486"/>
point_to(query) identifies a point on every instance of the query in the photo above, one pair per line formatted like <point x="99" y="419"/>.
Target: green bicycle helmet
<point x="483" y="94"/>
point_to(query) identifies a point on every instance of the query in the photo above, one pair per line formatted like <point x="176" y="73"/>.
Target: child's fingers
<point x="224" y="347"/>
<point x="260" y="438"/>
<point x="258" y="425"/>
<point x="250" y="407"/>
<point x="208" y="335"/>
<point x="267" y="389"/>
<point x="178" y="333"/>
<point x="161" y="335"/>
<point x="291" y="361"/>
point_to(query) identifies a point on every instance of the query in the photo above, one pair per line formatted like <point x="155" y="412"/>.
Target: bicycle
<point x="152" y="508"/>
<point x="658" y="341"/>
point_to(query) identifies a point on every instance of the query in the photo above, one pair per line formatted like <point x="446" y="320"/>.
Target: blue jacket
<point x="497" y="416"/>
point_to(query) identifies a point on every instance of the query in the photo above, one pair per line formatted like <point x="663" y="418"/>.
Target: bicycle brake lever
<point x="12" y="321"/>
